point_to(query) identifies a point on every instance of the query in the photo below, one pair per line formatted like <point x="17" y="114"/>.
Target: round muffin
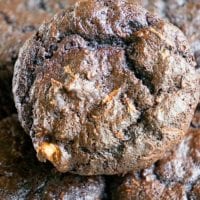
<point x="176" y="176"/>
<point x="105" y="87"/>
<point x="19" y="20"/>
<point x="23" y="177"/>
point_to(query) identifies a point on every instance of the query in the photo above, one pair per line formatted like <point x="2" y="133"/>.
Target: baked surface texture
<point x="22" y="176"/>
<point x="105" y="87"/>
<point x="19" y="20"/>
<point x="184" y="14"/>
<point x="175" y="176"/>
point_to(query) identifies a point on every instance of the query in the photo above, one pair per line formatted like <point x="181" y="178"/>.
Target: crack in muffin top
<point x="105" y="87"/>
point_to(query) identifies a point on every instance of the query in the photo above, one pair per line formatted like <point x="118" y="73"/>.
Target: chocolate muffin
<point x="19" y="19"/>
<point x="176" y="176"/>
<point x="105" y="87"/>
<point x="23" y="177"/>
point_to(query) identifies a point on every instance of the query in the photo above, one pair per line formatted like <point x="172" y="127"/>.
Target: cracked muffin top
<point x="105" y="87"/>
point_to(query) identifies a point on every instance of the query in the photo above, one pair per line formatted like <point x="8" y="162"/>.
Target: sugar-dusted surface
<point x="105" y="88"/>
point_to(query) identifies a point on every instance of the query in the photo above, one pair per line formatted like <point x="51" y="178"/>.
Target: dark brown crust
<point x="105" y="88"/>
<point x="23" y="177"/>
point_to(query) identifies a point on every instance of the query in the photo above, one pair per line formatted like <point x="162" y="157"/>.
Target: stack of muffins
<point x="89" y="86"/>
